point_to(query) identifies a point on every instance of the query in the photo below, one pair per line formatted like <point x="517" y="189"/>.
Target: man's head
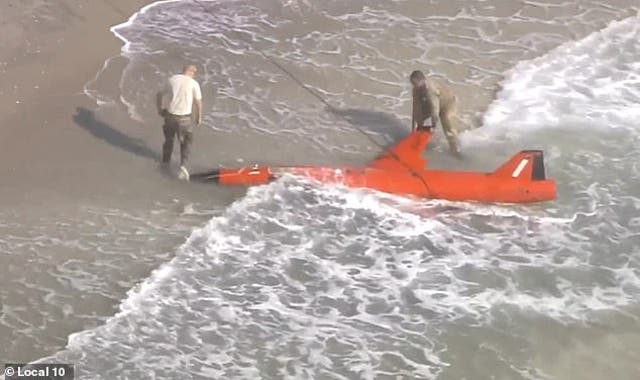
<point x="417" y="78"/>
<point x="190" y="70"/>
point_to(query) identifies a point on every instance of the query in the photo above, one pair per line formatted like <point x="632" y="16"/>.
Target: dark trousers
<point x="180" y="126"/>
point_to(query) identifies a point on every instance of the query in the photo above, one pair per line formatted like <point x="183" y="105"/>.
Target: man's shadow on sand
<point x="383" y="124"/>
<point x="378" y="123"/>
<point x="87" y="120"/>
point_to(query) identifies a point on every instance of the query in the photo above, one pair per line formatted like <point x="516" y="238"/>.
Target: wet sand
<point x="46" y="157"/>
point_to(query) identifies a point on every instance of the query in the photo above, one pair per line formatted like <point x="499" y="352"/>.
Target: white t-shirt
<point x="182" y="89"/>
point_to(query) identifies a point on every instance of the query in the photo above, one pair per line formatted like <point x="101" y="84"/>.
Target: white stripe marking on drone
<point x="520" y="168"/>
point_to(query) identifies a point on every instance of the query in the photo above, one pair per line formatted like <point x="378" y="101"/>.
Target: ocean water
<point x="68" y="271"/>
<point x="298" y="280"/>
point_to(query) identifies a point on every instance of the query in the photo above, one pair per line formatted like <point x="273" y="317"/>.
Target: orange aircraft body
<point x="402" y="170"/>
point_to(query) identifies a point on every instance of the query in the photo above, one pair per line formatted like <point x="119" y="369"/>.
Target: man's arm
<point x="197" y="102"/>
<point x="198" y="110"/>
<point x="159" y="97"/>
<point x="434" y="101"/>
<point x="414" y="111"/>
<point x="166" y="90"/>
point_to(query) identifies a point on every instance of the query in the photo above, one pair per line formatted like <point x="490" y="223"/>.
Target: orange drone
<point x="402" y="170"/>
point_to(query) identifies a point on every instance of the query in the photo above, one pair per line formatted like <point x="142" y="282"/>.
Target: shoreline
<point x="48" y="82"/>
<point x="124" y="42"/>
<point x="58" y="145"/>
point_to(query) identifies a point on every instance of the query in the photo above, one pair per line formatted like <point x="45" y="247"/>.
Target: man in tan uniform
<point x="436" y="101"/>
<point x="184" y="98"/>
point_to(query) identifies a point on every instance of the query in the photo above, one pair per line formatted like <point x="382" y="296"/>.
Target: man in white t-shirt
<point x="183" y="105"/>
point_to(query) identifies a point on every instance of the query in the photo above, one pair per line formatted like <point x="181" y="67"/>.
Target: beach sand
<point x="54" y="49"/>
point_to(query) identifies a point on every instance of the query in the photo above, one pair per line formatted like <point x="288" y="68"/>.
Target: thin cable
<point x="320" y="98"/>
